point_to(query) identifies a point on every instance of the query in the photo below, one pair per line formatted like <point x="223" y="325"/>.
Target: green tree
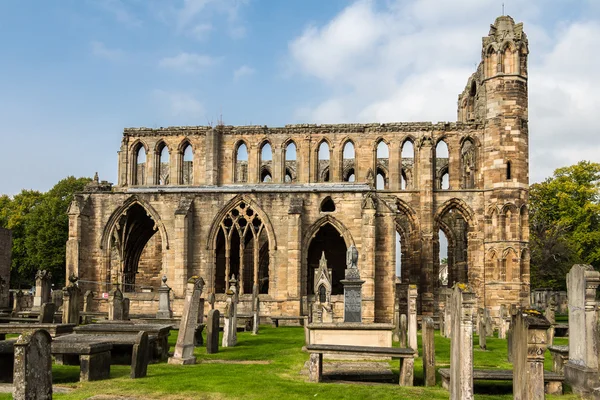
<point x="564" y="223"/>
<point x="40" y="225"/>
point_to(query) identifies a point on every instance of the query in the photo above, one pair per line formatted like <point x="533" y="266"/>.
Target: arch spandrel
<point x="327" y="219"/>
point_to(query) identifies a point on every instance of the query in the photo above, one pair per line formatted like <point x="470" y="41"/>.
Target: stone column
<point x="461" y="345"/>
<point x="183" y="221"/>
<point x="424" y="178"/>
<point x="212" y="160"/>
<point x="184" y="348"/>
<point x="395" y="165"/>
<point x="71" y="295"/>
<point x="294" y="249"/>
<point x="529" y="346"/>
<point x="428" y="334"/>
<point x="164" y="302"/>
<point x="582" y="370"/>
<point x="412" y="318"/>
<point x="367" y="250"/>
<point x="32" y="377"/>
<point x="43" y="283"/>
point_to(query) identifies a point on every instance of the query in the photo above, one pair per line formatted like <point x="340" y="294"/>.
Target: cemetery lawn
<point x="274" y="360"/>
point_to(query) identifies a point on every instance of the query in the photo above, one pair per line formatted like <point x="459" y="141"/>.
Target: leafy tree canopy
<point x="40" y="226"/>
<point x="564" y="223"/>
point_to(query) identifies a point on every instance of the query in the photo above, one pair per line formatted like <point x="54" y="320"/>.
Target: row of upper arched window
<point x="505" y="61"/>
<point x="347" y="169"/>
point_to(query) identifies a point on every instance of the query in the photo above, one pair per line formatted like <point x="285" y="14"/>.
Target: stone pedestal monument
<point x="352" y="288"/>
<point x="164" y="303"/>
<point x="43" y="284"/>
<point x="322" y="309"/>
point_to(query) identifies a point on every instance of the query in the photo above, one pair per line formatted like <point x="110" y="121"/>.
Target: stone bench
<point x="93" y="356"/>
<point x="553" y="382"/>
<point x="406" y="356"/>
<point x="157" y="333"/>
<point x="560" y="356"/>
<point x="299" y="319"/>
<point x="117" y="345"/>
<point x="28" y="326"/>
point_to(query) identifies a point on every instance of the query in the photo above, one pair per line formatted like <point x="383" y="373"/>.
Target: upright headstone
<point x="448" y="313"/>
<point x="403" y="331"/>
<point x="115" y="304"/>
<point x="428" y="351"/>
<point x="529" y="346"/>
<point x="88" y="300"/>
<point x="489" y="322"/>
<point x="502" y="322"/>
<point x="164" y="302"/>
<point x="396" y="333"/>
<point x="47" y="314"/>
<point x="228" y="326"/>
<point x="322" y="309"/>
<point x="211" y="300"/>
<point x="184" y="348"/>
<point x="32" y="376"/>
<point x="481" y="330"/>
<point x="233" y="285"/>
<point x="255" y="309"/>
<point x="582" y="371"/>
<point x="140" y="356"/>
<point x="551" y="317"/>
<point x="17" y="303"/>
<point x="126" y="305"/>
<point x="71" y="296"/>
<point x="212" y="332"/>
<point x="43" y="285"/>
<point x="352" y="287"/>
<point x="461" y="345"/>
<point x="509" y="332"/>
<point x="412" y="318"/>
<point x="57" y="299"/>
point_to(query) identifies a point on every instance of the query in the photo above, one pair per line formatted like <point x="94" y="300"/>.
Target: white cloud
<point x="200" y="31"/>
<point x="198" y="12"/>
<point x="100" y="50"/>
<point x="187" y="62"/>
<point x="118" y="9"/>
<point x="179" y="104"/>
<point x="409" y="60"/>
<point x="242" y="71"/>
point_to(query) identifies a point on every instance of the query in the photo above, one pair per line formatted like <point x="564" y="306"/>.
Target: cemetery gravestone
<point x="403" y="331"/>
<point x="164" y="302"/>
<point x="47" y="313"/>
<point x="43" y="284"/>
<point x="461" y="345"/>
<point x="71" y="295"/>
<point x="212" y="332"/>
<point x="184" y="348"/>
<point x="428" y="332"/>
<point x="140" y="356"/>
<point x="32" y="377"/>
<point x="88" y="299"/>
<point x="412" y="318"/>
<point x="352" y="288"/>
<point x="115" y="304"/>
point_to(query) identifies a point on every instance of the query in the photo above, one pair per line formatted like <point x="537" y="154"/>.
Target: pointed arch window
<point x="408" y="157"/>
<point x="266" y="161"/>
<point x="468" y="167"/>
<point x="187" y="164"/>
<point x="241" y="163"/>
<point x="327" y="205"/>
<point x="323" y="162"/>
<point x="442" y="166"/>
<point x="382" y="165"/>
<point x="163" y="165"/>
<point x="139" y="173"/>
<point x="348" y="162"/>
<point x="508" y="171"/>
<point x="290" y="169"/>
<point x="242" y="250"/>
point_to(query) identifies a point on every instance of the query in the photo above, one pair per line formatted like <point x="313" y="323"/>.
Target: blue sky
<point x="74" y="73"/>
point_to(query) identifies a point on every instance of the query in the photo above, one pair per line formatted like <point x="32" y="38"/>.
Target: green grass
<point x="279" y="379"/>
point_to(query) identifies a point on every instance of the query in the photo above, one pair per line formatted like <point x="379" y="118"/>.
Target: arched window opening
<point x="348" y="161"/>
<point x="491" y="62"/>
<point x="328" y="240"/>
<point x="140" y="165"/>
<point x="509" y="60"/>
<point x="265" y="175"/>
<point x="323" y="162"/>
<point x="512" y="266"/>
<point x="491" y="267"/>
<point x="381" y="181"/>
<point x="290" y="163"/>
<point x="468" y="159"/>
<point x="241" y="163"/>
<point x="441" y="165"/>
<point x="443" y="258"/>
<point x="398" y="256"/>
<point x="327" y="205"/>
<point x="242" y="249"/>
<point x="349" y="175"/>
<point x="508" y="171"/>
<point x="163" y="166"/>
<point x="453" y="246"/>
<point x="408" y="157"/>
<point x="266" y="159"/>
<point x="188" y="165"/>
<point x="136" y="250"/>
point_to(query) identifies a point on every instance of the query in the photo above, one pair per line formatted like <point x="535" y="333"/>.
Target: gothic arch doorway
<point x="330" y="241"/>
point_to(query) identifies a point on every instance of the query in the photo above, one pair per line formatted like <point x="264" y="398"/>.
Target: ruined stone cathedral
<point x="264" y="203"/>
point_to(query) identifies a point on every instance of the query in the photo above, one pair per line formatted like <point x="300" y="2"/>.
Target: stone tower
<point x="496" y="96"/>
